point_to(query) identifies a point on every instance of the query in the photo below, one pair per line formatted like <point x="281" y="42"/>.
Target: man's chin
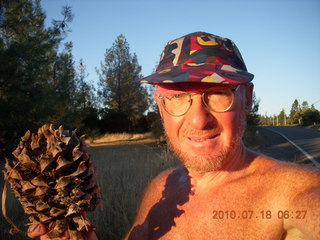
<point x="203" y="163"/>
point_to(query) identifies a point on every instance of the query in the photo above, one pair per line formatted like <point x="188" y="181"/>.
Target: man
<point x="224" y="191"/>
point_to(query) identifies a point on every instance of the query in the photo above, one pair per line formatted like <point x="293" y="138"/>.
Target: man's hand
<point x="39" y="230"/>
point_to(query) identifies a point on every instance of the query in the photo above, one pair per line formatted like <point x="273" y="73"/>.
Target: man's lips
<point x="199" y="139"/>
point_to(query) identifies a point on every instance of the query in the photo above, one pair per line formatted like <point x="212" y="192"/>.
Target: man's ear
<point x="249" y="96"/>
<point x="156" y="99"/>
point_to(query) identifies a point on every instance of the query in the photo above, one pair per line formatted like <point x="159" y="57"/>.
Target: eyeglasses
<point x="217" y="99"/>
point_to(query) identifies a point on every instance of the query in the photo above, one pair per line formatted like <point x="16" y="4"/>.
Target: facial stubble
<point x="214" y="161"/>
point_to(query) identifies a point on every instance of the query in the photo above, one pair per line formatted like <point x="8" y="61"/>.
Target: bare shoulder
<point x="158" y="184"/>
<point x="162" y="177"/>
<point x="289" y="181"/>
<point x="295" y="190"/>
<point x="298" y="188"/>
<point x="286" y="173"/>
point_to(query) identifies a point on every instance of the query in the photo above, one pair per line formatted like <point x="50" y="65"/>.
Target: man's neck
<point x="236" y="166"/>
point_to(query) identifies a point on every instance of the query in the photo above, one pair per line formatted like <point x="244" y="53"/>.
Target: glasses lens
<point x="175" y="103"/>
<point x="218" y="99"/>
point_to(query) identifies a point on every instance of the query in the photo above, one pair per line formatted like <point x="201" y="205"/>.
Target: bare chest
<point x="233" y="212"/>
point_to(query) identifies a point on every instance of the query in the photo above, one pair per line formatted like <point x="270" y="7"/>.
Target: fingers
<point x="36" y="230"/>
<point x="46" y="237"/>
<point x="64" y="236"/>
<point x="39" y="230"/>
<point x="89" y="236"/>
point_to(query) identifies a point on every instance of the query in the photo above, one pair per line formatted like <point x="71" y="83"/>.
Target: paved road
<point x="307" y="139"/>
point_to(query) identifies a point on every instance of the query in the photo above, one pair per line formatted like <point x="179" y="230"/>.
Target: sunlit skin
<point x="222" y="176"/>
<point x="203" y="139"/>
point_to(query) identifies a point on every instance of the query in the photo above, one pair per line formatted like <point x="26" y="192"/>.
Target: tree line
<point x="300" y="114"/>
<point x="40" y="82"/>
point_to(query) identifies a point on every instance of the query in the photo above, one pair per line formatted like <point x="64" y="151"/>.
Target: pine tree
<point x="85" y="90"/>
<point x="28" y="51"/>
<point x="282" y="118"/>
<point x="253" y="118"/>
<point x="63" y="82"/>
<point x="304" y="105"/>
<point x="119" y="86"/>
<point x="295" y="108"/>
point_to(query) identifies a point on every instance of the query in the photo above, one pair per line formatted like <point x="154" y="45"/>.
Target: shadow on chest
<point x="184" y="208"/>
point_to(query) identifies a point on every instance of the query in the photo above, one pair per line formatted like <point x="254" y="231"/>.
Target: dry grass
<point x="123" y="138"/>
<point x="123" y="173"/>
<point x="109" y="137"/>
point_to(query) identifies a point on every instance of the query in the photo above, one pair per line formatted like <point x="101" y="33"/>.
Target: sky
<point x="278" y="39"/>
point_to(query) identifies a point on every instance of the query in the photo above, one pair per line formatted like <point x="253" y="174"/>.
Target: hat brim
<point x="221" y="74"/>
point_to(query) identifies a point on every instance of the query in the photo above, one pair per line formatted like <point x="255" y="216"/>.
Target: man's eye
<point x="218" y="92"/>
<point x="178" y="96"/>
<point x="175" y="96"/>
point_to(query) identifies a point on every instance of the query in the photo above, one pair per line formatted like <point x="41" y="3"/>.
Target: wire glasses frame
<point x="217" y="99"/>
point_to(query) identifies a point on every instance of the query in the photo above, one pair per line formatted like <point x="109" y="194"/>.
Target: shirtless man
<point x="224" y="191"/>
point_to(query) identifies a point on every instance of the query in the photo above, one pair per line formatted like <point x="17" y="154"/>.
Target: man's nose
<point x="198" y="116"/>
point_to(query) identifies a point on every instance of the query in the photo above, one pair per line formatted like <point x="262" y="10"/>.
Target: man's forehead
<point x="193" y="87"/>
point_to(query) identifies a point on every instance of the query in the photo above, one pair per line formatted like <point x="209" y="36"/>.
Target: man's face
<point x="204" y="140"/>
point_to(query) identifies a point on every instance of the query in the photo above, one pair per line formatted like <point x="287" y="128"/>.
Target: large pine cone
<point x="54" y="180"/>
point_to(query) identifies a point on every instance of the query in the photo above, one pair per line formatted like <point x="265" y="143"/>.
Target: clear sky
<point x="278" y="39"/>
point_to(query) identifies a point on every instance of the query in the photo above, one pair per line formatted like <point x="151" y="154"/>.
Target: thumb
<point x="36" y="230"/>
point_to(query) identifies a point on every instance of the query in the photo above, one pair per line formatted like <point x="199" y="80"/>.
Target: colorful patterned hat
<point x="200" y="57"/>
